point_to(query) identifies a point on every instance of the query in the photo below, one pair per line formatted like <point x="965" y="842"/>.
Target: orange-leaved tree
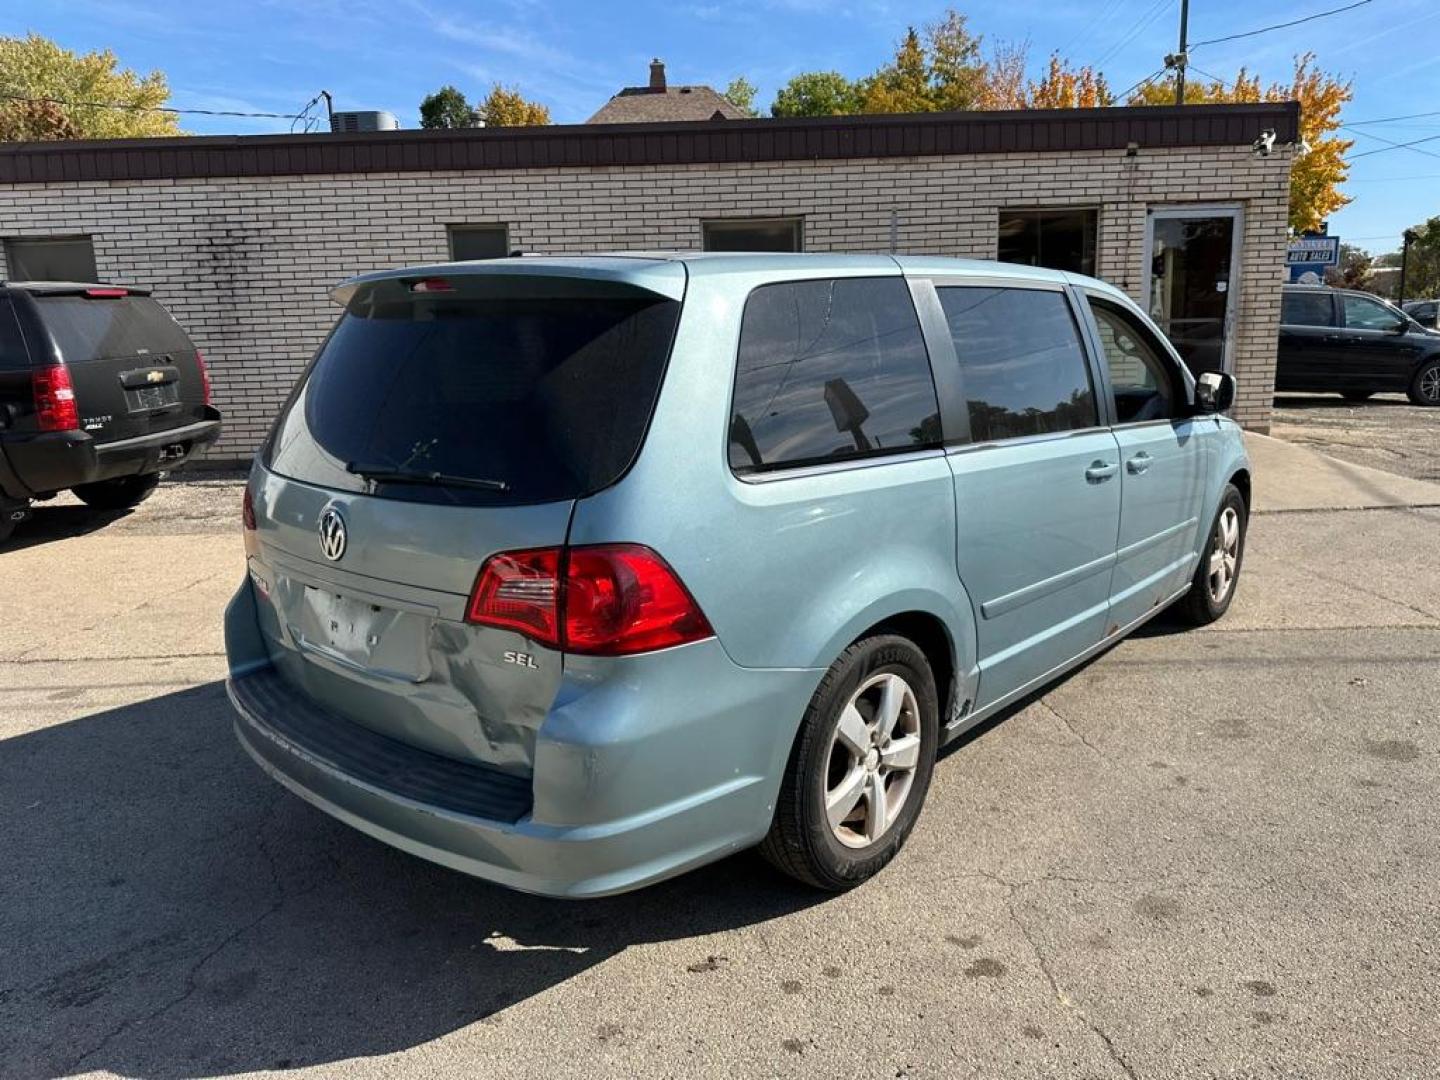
<point x="1064" y="87"/>
<point x="1320" y="167"/>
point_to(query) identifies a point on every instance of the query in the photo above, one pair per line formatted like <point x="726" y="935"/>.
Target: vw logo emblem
<point x="332" y="534"/>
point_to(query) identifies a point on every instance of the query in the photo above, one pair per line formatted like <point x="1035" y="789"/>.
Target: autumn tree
<point x="741" y="93"/>
<point x="446" y="108"/>
<point x="1004" y="86"/>
<point x="817" y="93"/>
<point x="1319" y="167"/>
<point x="504" y="107"/>
<point x="957" y="72"/>
<point x="35" y="121"/>
<point x="903" y="85"/>
<point x="36" y="69"/>
<point x="1355" y="271"/>
<point x="1422" y="264"/>
<point x="1064" y="87"/>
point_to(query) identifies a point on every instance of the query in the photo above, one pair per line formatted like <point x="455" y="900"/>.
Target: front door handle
<point x="1100" y="470"/>
<point x="1138" y="464"/>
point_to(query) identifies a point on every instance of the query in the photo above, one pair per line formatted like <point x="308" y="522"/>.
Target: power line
<point x="151" y="108"/>
<point x="1281" y="26"/>
<point x="1126" y="93"/>
<point x="1393" y="119"/>
<point x="1144" y="21"/>
<point x="1391" y="145"/>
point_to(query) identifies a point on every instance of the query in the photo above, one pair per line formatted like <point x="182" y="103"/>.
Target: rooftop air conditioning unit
<point x="374" y="120"/>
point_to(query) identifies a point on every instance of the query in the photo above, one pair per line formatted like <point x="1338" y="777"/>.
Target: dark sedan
<point x="1354" y="344"/>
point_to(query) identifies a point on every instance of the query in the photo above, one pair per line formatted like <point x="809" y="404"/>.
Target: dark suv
<point x="100" y="391"/>
<point x="1354" y="344"/>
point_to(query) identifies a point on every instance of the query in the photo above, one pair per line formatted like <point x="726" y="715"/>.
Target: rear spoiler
<point x="96" y="290"/>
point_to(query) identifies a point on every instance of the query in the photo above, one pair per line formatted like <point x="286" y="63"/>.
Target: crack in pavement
<point x="191" y="981"/>
<point x="1073" y="730"/>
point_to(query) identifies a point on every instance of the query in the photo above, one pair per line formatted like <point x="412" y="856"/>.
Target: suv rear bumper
<point x="603" y="812"/>
<point x="54" y="461"/>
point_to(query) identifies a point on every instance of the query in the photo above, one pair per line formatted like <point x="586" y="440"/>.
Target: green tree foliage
<point x="741" y="93"/>
<point x="446" y="108"/>
<point x="1356" y="270"/>
<point x="34" y="67"/>
<point x="1422" y="265"/>
<point x="817" y="93"/>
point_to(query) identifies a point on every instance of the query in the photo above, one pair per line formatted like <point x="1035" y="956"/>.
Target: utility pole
<point x="1407" y="236"/>
<point x="1180" y="57"/>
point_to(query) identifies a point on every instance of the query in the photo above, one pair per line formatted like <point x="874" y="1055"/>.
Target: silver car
<point x="574" y="573"/>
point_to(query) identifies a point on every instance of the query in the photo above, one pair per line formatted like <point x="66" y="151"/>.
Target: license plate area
<point x="148" y="398"/>
<point x="363" y="636"/>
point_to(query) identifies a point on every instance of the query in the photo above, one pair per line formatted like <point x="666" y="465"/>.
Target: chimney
<point x="657" y="76"/>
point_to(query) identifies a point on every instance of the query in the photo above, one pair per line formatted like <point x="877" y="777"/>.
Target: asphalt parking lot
<point x="1386" y="432"/>
<point x="1205" y="853"/>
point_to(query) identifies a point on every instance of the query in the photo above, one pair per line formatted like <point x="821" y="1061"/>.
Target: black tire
<point x="1358" y="395"/>
<point x="801" y="841"/>
<point x="1200" y="606"/>
<point x="1425" y="387"/>
<point x="119" y="494"/>
<point x="9" y="521"/>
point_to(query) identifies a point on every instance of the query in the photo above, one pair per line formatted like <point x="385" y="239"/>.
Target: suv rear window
<point x="544" y="386"/>
<point x="95" y="328"/>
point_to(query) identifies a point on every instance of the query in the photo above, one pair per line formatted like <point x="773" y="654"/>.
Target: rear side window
<point x="829" y="370"/>
<point x="1307" y="309"/>
<point x="92" y="328"/>
<point x="1022" y="366"/>
<point x="544" y="386"/>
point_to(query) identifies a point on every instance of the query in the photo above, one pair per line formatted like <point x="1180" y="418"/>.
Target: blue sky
<point x="273" y="55"/>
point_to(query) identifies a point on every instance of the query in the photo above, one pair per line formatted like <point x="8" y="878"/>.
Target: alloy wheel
<point x="873" y="757"/>
<point x="1430" y="383"/>
<point x="1224" y="555"/>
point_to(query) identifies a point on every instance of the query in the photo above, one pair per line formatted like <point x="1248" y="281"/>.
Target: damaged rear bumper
<point x="644" y="767"/>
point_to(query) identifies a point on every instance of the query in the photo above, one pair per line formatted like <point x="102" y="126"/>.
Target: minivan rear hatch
<point x="134" y="371"/>
<point x="448" y="417"/>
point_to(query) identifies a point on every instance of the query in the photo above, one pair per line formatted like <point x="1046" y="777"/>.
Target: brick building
<point x="242" y="237"/>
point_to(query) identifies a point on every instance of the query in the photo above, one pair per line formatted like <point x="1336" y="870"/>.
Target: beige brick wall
<point x="245" y="264"/>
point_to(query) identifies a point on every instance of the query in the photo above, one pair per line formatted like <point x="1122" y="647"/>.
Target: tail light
<point x="602" y="600"/>
<point x="55" y="399"/>
<point x="204" y="377"/>
<point x="247" y="511"/>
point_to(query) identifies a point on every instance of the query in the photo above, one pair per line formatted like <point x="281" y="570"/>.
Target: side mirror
<point x="1402" y="328"/>
<point x="1214" y="392"/>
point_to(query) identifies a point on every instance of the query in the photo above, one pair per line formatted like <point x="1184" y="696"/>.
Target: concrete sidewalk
<point x="1290" y="477"/>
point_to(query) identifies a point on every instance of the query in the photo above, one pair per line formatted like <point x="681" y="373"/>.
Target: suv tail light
<point x="55" y="399"/>
<point x="601" y="600"/>
<point x="204" y="377"/>
<point x="247" y="511"/>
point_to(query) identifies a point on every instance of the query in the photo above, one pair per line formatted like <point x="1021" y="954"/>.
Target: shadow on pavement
<point x="168" y="911"/>
<point x="1335" y="401"/>
<point x="50" y="522"/>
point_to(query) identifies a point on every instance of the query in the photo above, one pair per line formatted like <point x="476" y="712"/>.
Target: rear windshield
<point x="544" y="389"/>
<point x="92" y="328"/>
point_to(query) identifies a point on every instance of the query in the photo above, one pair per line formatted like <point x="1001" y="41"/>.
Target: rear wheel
<point x="118" y="494"/>
<point x="1213" y="586"/>
<point x="860" y="767"/>
<point x="1358" y="395"/>
<point x="1425" y="387"/>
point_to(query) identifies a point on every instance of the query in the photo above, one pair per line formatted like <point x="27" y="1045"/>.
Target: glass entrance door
<point x="1192" y="255"/>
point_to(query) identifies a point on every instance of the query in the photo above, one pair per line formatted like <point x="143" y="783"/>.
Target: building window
<point x="478" y="242"/>
<point x="1059" y="239"/>
<point x="50" y="258"/>
<point x="753" y="234"/>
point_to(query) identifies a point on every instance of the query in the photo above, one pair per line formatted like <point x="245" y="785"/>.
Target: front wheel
<point x="119" y="494"/>
<point x="860" y="767"/>
<point x="1425" y="387"/>
<point x="1213" y="586"/>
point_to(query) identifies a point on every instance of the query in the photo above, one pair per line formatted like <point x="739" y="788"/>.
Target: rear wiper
<point x="384" y="474"/>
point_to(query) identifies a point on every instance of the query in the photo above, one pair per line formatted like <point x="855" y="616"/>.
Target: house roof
<point x="832" y="138"/>
<point x="643" y="105"/>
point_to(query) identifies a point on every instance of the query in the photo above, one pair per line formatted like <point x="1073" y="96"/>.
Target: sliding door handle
<point x="1138" y="464"/>
<point x="1100" y="470"/>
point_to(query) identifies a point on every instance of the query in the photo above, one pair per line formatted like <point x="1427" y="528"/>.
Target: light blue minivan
<point x="575" y="573"/>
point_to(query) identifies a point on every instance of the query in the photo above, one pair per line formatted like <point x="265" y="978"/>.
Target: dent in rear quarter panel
<point x="790" y="570"/>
